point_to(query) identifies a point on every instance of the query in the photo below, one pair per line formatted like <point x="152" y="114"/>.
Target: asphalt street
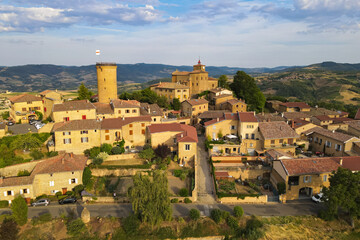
<point x="299" y="208"/>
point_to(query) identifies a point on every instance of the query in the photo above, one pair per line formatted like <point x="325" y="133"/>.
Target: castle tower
<point x="107" y="81"/>
<point x="199" y="67"/>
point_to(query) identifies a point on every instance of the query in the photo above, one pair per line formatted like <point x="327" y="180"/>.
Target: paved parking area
<point x="22" y="128"/>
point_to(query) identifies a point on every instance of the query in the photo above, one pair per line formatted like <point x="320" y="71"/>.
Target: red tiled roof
<point x="323" y="117"/>
<point x="341" y="120"/>
<point x="150" y="109"/>
<point x="180" y="73"/>
<point x="276" y="130"/>
<point x="302" y="166"/>
<point x="294" y="115"/>
<point x="194" y="102"/>
<point x="188" y="133"/>
<point x="352" y="163"/>
<point x="119" y="103"/>
<point x="354" y="124"/>
<point x="212" y="114"/>
<point x="170" y="85"/>
<point x="299" y="123"/>
<point x="85" y="124"/>
<point x="103" y="108"/>
<point x="234" y="101"/>
<point x="357" y="116"/>
<point x="247" y="117"/>
<point x="24" y="98"/>
<point x="73" y="105"/>
<point x="117" y="123"/>
<point x="295" y="105"/>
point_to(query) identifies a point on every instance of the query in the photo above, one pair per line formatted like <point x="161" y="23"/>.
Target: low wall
<point x="233" y="158"/>
<point x="260" y="199"/>
<point x="116" y="172"/>
<point x="105" y="199"/>
<point x="122" y="157"/>
<point x="13" y="170"/>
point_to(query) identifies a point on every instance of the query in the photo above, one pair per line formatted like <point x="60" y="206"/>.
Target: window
<point x="134" y="111"/>
<point x="67" y="140"/>
<point x="249" y="126"/>
<point x="66" y="119"/>
<point x="193" y="109"/>
<point x="307" y="179"/>
<point x="272" y="141"/>
<point x="154" y="119"/>
<point x="178" y="90"/>
<point x="51" y="183"/>
<point x="290" y="141"/>
<point x="24" y="191"/>
<point x="84" y="139"/>
<point x="174" y="140"/>
<point x="29" y="102"/>
<point x="131" y="132"/>
<point x="251" y="144"/>
<point x="84" y="132"/>
<point x="337" y="147"/>
<point x="316" y="139"/>
<point x="281" y="141"/>
<point x="107" y="131"/>
<point x="233" y="127"/>
<point x="187" y="147"/>
<point x="44" y="109"/>
<point x="320" y="142"/>
<point x="24" y="109"/>
<point x="66" y="133"/>
<point x="119" y="111"/>
<point x="130" y="125"/>
<point x="83" y="117"/>
<point x="325" y="178"/>
<point x="72" y="181"/>
<point x="247" y="136"/>
<point x="234" y="149"/>
<point x="143" y="131"/>
<point x="252" y="136"/>
<point x="127" y="111"/>
<point x="143" y="124"/>
<point x="107" y="137"/>
<point x="328" y="143"/>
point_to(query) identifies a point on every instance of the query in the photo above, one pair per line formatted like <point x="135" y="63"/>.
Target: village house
<point x="49" y="98"/>
<point x="330" y="143"/>
<point x="270" y="117"/>
<point x="234" y="105"/>
<point x="182" y="140"/>
<point x="301" y="126"/>
<point x="303" y="177"/>
<point x="172" y="90"/>
<point x="73" y="110"/>
<point x="152" y="110"/>
<point x="290" y="116"/>
<point x="57" y="174"/>
<point x="194" y="107"/>
<point x="23" y="107"/>
<point x="294" y="107"/>
<point x="198" y="80"/>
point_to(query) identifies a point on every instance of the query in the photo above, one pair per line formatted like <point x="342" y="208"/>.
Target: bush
<point x="232" y="222"/>
<point x="238" y="211"/>
<point x="23" y="173"/>
<point x="52" y="154"/>
<point x="194" y="214"/>
<point x="87" y="175"/>
<point x="131" y="225"/>
<point x="97" y="161"/>
<point x="105" y="147"/>
<point x="147" y="153"/>
<point x="69" y="193"/>
<point x="184" y="192"/>
<point x="281" y="188"/>
<point x="19" y="210"/>
<point x="4" y="204"/>
<point x="253" y="229"/>
<point x="58" y="194"/>
<point x="46" y="217"/>
<point x="187" y="200"/>
<point x="76" y="227"/>
<point x="9" y="229"/>
<point x="92" y="152"/>
<point x="36" y="154"/>
<point x="162" y="151"/>
<point x="78" y="189"/>
<point x="117" y="150"/>
<point x="216" y="215"/>
<point x="174" y="200"/>
<point x="225" y="214"/>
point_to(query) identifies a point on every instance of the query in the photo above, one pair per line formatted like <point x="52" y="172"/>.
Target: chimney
<point x="149" y="109"/>
<point x="341" y="161"/>
<point x="282" y="114"/>
<point x="333" y="131"/>
<point x="254" y="114"/>
<point x="217" y="119"/>
<point x="63" y="161"/>
<point x="292" y="124"/>
<point x="182" y="135"/>
<point x="71" y="155"/>
<point x="123" y="118"/>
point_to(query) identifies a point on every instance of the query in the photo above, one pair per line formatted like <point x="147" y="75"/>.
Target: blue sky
<point x="248" y="33"/>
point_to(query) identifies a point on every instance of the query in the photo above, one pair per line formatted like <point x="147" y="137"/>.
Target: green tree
<point x="344" y="193"/>
<point x="147" y="154"/>
<point x="184" y="192"/>
<point x="162" y="150"/>
<point x="5" y="115"/>
<point x="87" y="176"/>
<point x="36" y="154"/>
<point x="26" y="142"/>
<point x="238" y="211"/>
<point x="76" y="227"/>
<point x="9" y="229"/>
<point x="176" y="104"/>
<point x="194" y="214"/>
<point x="216" y="215"/>
<point x="23" y="173"/>
<point x="84" y="93"/>
<point x="105" y="147"/>
<point x="19" y="210"/>
<point x="244" y="87"/>
<point x="150" y="199"/>
<point x="39" y="115"/>
<point x="223" y="82"/>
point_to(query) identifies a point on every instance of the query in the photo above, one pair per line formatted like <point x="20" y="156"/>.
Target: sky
<point x="234" y="33"/>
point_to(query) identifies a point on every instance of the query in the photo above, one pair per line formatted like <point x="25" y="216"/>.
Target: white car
<point x="39" y="125"/>
<point x="318" y="198"/>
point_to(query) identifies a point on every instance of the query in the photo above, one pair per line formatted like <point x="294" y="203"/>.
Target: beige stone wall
<point x="258" y="200"/>
<point x="189" y="110"/>
<point x="170" y="94"/>
<point x="317" y="147"/>
<point x="13" y="170"/>
<point x="3" y="132"/>
<point x="354" y="132"/>
<point x="224" y="127"/>
<point x="186" y="120"/>
<point x="122" y="157"/>
<point x="48" y="106"/>
<point x="277" y="143"/>
<point x="187" y="155"/>
<point x="76" y="146"/>
<point x="248" y="128"/>
<point x="126" y="112"/>
<point x="24" y="107"/>
<point x="107" y="83"/>
<point x="304" y="128"/>
<point x="218" y="101"/>
<point x="117" y="172"/>
<point x="163" y="137"/>
<point x="15" y="191"/>
<point x="61" y="181"/>
<point x="248" y="173"/>
<point x="73" y="115"/>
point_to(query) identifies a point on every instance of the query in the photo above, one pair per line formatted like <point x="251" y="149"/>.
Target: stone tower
<point x="107" y="81"/>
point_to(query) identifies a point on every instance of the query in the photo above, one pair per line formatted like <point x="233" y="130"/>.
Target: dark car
<point x="10" y="123"/>
<point x="67" y="200"/>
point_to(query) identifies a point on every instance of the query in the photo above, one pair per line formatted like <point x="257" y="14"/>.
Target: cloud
<point x="56" y="14"/>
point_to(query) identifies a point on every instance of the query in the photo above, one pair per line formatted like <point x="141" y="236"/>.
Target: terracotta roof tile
<point x="235" y="101"/>
<point x="247" y="117"/>
<point x="330" y="134"/>
<point x="295" y="105"/>
<point x="269" y="117"/>
<point x="151" y="109"/>
<point x="357" y="116"/>
<point x="73" y="106"/>
<point x="354" y="124"/>
<point x="117" y="123"/>
<point x="222" y="174"/>
<point x="212" y="114"/>
<point x="223" y="96"/>
<point x="352" y="163"/>
<point x="103" y="108"/>
<point x="188" y="133"/>
<point x="170" y="85"/>
<point x="24" y="98"/>
<point x="119" y="103"/>
<point x="321" y="111"/>
<point x="181" y="73"/>
<point x="299" y="123"/>
<point x="295" y="115"/>
<point x="194" y="102"/>
<point x="276" y="130"/>
<point x="85" y="124"/>
<point x="301" y="166"/>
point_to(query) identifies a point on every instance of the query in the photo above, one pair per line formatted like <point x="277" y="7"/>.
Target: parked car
<point x="39" y="125"/>
<point x="41" y="202"/>
<point x="318" y="198"/>
<point x="67" y="200"/>
<point x="32" y="121"/>
<point x="10" y="123"/>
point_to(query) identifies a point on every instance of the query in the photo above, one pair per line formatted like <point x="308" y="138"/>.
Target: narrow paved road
<point x="204" y="179"/>
<point x="123" y="210"/>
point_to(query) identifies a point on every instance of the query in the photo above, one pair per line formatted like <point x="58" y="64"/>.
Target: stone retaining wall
<point x="260" y="199"/>
<point x="116" y="172"/>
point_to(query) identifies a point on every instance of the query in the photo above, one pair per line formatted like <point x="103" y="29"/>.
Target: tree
<point x="117" y="150"/>
<point x="244" y="87"/>
<point x="344" y="193"/>
<point x="19" y="210"/>
<point x="9" y="229"/>
<point x="105" y="147"/>
<point x="184" y="192"/>
<point x="216" y="215"/>
<point x="223" y="82"/>
<point x="150" y="199"/>
<point x="194" y="214"/>
<point x="39" y="115"/>
<point x="176" y="104"/>
<point x="147" y="154"/>
<point x="87" y="176"/>
<point x="238" y="211"/>
<point x="84" y="93"/>
<point x="26" y="142"/>
<point x="76" y="227"/>
<point x="5" y="115"/>
<point x="162" y="151"/>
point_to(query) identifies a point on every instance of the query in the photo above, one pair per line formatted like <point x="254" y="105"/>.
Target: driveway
<point x="22" y="128"/>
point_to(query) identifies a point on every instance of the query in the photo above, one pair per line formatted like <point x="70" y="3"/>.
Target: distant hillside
<point x="318" y="82"/>
<point x="41" y="77"/>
